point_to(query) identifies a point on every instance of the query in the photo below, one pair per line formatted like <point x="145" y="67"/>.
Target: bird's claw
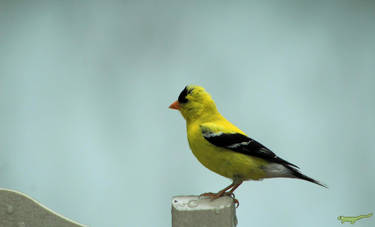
<point x="236" y="202"/>
<point x="214" y="196"/>
<point x="231" y="194"/>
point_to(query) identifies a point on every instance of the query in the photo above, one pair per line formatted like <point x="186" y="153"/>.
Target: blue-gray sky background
<point x="85" y="86"/>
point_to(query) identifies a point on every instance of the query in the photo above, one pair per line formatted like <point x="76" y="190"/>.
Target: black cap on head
<point x="182" y="97"/>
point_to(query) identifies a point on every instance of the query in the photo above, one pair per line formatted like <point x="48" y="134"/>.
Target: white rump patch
<point x="277" y="170"/>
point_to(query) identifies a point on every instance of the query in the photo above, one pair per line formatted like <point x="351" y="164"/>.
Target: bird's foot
<point x="231" y="194"/>
<point x="211" y="195"/>
<point x="214" y="196"/>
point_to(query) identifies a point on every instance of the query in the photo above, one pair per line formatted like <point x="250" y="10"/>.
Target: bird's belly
<point x="228" y="163"/>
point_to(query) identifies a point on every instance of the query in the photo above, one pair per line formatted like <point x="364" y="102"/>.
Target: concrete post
<point x="192" y="211"/>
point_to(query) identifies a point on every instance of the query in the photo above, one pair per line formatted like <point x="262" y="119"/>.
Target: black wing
<point x="240" y="143"/>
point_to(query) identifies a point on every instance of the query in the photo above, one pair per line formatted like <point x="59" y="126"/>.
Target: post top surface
<point x="194" y="202"/>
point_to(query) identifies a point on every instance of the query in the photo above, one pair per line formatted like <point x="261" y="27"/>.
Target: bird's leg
<point x="224" y="192"/>
<point x="231" y="194"/>
<point x="234" y="187"/>
<point x="219" y="194"/>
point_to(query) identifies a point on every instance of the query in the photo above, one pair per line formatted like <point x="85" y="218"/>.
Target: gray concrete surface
<point x="192" y="211"/>
<point x="19" y="210"/>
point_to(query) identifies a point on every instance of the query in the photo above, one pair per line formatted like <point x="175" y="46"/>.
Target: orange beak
<point x="175" y="105"/>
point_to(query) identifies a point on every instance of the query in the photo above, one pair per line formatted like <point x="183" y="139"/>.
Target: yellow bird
<point x="225" y="149"/>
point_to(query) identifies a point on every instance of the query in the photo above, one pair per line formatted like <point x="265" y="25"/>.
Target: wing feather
<point x="240" y="143"/>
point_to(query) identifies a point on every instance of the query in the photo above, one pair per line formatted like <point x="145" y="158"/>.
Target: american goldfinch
<point x="225" y="149"/>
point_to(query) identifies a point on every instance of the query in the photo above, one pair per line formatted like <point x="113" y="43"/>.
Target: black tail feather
<point x="299" y="175"/>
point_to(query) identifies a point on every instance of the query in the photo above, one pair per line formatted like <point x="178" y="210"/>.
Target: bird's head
<point x="194" y="103"/>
